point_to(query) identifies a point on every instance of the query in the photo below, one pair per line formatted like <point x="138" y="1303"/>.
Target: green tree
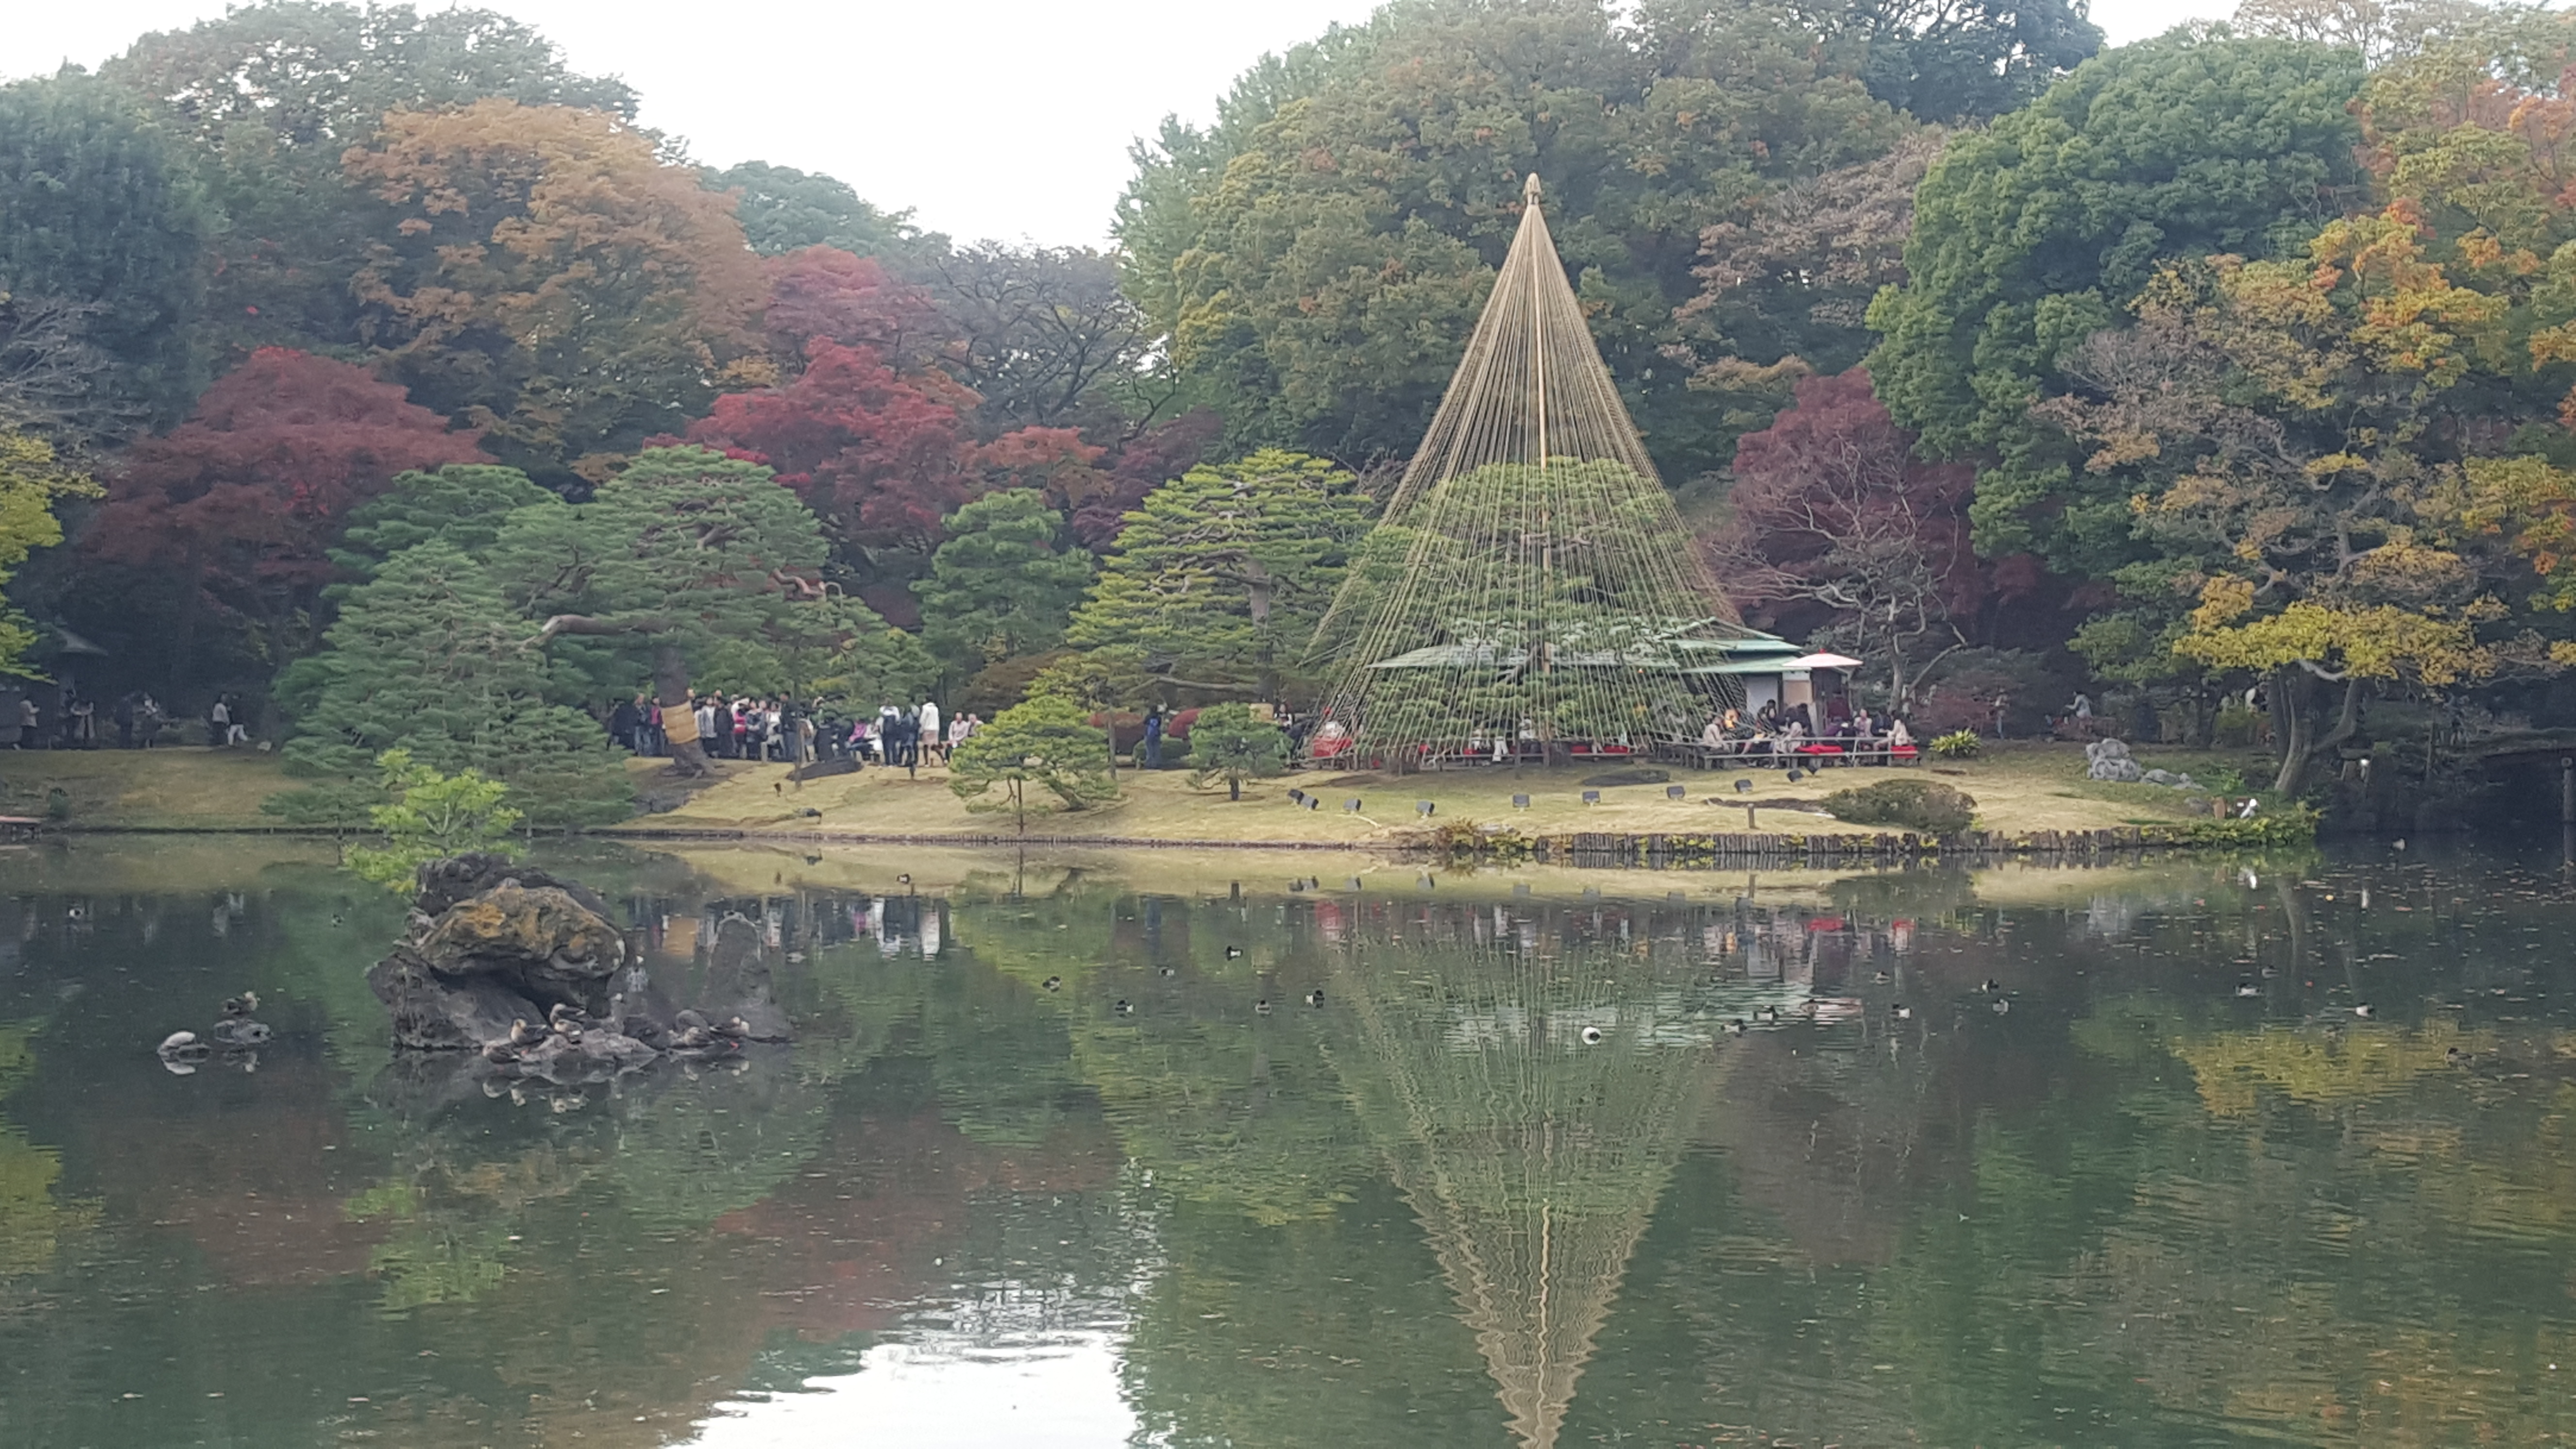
<point x="1219" y="579"/>
<point x="432" y="816"/>
<point x="1227" y="743"/>
<point x="1960" y="60"/>
<point x="267" y="97"/>
<point x="428" y="658"/>
<point x="1045" y="742"/>
<point x="878" y="665"/>
<point x="687" y="564"/>
<point x="1315" y="261"/>
<point x="2032" y="235"/>
<point x="462" y="505"/>
<point x="99" y="207"/>
<point x="1003" y="585"/>
<point x="783" y="210"/>
<point x="1101" y="681"/>
<point x="32" y="481"/>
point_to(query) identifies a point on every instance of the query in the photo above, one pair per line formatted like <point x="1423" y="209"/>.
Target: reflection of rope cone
<point x="1531" y="1100"/>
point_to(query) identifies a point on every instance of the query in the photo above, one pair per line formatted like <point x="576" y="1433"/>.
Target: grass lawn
<point x="2018" y="787"/>
<point x="188" y="787"/>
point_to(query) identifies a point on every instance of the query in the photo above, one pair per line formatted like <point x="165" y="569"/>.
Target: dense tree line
<point x="2234" y="357"/>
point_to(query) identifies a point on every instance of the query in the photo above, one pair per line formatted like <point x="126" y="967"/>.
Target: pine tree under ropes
<point x="1531" y="589"/>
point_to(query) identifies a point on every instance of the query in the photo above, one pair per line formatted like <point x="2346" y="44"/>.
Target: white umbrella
<point x="1822" y="661"/>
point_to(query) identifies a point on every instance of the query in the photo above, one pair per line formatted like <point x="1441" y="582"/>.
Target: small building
<point x="1771" y="670"/>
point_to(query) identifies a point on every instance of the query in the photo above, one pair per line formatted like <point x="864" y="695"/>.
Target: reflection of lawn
<point x="2018" y="787"/>
<point x="751" y="868"/>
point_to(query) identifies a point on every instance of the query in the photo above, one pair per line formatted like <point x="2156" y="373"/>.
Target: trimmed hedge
<point x="1923" y="805"/>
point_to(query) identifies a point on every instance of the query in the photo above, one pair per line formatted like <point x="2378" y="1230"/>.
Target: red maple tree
<point x="245" y="498"/>
<point x="1840" y="530"/>
<point x="882" y="457"/>
<point x="1138" y="466"/>
<point x="824" y="294"/>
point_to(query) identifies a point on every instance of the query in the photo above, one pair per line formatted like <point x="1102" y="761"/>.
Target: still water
<point x="1937" y="1157"/>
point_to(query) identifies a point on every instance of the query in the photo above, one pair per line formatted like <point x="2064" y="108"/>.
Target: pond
<point x="1155" y="1152"/>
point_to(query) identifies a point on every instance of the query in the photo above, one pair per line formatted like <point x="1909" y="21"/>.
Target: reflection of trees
<point x="600" y="1264"/>
<point x="1221" y="1104"/>
<point x="1530" y="1091"/>
<point x="34" y="1217"/>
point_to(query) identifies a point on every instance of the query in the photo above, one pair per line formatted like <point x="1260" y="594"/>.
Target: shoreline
<point x="1650" y="850"/>
<point x="2030" y="801"/>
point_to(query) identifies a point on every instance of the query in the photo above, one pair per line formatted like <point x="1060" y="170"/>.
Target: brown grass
<point x="189" y="788"/>
<point x="2018" y="787"/>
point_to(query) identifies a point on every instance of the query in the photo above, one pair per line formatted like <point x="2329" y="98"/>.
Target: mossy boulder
<point x="514" y="926"/>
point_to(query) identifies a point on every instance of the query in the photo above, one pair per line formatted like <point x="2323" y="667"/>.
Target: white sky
<point x="1007" y="119"/>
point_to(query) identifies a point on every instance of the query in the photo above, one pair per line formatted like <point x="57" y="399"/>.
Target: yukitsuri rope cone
<point x="1531" y="1083"/>
<point x="1531" y="589"/>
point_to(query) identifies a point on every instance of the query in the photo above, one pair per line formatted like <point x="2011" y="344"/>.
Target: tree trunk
<point x="2294" y="724"/>
<point x="671" y="690"/>
<point x="670" y="681"/>
<point x="1234" y="787"/>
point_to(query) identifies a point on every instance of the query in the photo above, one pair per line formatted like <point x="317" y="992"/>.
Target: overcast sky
<point x="990" y="118"/>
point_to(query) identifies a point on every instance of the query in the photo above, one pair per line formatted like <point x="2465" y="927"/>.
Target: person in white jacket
<point x="931" y="738"/>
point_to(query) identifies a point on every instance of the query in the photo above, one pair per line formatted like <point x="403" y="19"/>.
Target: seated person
<point x="1715" y="735"/>
<point x="1331" y="739"/>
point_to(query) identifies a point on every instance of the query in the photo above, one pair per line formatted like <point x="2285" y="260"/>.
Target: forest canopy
<point x="2237" y="358"/>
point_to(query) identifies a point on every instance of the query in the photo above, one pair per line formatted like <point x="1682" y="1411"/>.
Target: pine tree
<point x="1046" y="742"/>
<point x="462" y="504"/>
<point x="427" y="657"/>
<point x="1003" y="585"/>
<point x="1220" y="577"/>
<point x="687" y="563"/>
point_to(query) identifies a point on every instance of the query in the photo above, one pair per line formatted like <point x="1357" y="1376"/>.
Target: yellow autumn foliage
<point x="32" y="481"/>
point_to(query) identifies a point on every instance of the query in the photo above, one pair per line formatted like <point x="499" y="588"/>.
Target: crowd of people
<point x="747" y="727"/>
<point x="138" y="721"/>
<point x="1783" y="730"/>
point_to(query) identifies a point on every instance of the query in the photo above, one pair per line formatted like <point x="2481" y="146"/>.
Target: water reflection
<point x="1529" y="1076"/>
<point x="2199" y="1153"/>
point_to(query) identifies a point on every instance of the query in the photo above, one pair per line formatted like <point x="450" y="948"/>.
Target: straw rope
<point x="1531" y="575"/>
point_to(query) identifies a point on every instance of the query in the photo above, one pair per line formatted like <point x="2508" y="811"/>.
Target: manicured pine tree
<point x="428" y="657"/>
<point x="1003" y="585"/>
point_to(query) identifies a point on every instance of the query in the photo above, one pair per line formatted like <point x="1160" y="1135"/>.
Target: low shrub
<point x="1958" y="745"/>
<point x="2238" y="724"/>
<point x="2289" y="825"/>
<point x="1923" y="805"/>
<point x="1463" y="842"/>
